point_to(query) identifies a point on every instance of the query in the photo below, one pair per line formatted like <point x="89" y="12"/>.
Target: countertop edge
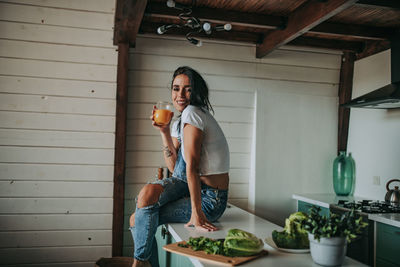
<point x="177" y="238"/>
<point x="382" y="218"/>
<point x="311" y="201"/>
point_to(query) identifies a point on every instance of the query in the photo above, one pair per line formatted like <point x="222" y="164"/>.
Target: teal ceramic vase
<point x="343" y="174"/>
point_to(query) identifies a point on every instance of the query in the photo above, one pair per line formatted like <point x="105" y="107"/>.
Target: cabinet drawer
<point x="383" y="263"/>
<point x="387" y="243"/>
<point x="304" y="207"/>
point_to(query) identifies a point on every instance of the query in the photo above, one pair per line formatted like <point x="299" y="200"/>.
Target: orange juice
<point x="162" y="116"/>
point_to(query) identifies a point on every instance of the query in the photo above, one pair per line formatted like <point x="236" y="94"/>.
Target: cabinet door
<point x="167" y="259"/>
<point x="179" y="260"/>
<point x="162" y="240"/>
<point x="305" y="207"/>
<point x="387" y="245"/>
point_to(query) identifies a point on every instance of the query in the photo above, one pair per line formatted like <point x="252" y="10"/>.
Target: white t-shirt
<point x="214" y="157"/>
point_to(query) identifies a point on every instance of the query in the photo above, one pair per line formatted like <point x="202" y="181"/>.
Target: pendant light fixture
<point x="192" y="23"/>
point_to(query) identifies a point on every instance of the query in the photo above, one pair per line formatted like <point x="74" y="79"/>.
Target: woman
<point x="197" y="152"/>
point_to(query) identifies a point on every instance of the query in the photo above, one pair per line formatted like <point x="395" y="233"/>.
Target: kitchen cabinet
<point x="165" y="258"/>
<point x="162" y="240"/>
<point x="305" y="207"/>
<point x="387" y="245"/>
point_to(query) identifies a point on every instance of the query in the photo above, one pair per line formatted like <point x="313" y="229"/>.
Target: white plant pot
<point x="328" y="251"/>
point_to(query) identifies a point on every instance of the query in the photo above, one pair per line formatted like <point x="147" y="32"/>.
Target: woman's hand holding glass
<point x="162" y="115"/>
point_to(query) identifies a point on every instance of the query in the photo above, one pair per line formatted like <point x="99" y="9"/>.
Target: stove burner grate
<point x="369" y="206"/>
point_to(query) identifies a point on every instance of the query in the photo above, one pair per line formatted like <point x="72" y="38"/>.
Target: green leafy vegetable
<point x="242" y="243"/>
<point x="237" y="243"/>
<point x="293" y="236"/>
<point x="210" y="246"/>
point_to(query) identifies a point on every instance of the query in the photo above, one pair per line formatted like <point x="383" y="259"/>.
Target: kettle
<point x="393" y="195"/>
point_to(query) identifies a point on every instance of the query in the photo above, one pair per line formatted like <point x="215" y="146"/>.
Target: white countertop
<point x="238" y="218"/>
<point x="392" y="219"/>
<point x="325" y="200"/>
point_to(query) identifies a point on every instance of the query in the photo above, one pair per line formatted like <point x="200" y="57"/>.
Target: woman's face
<point x="181" y="90"/>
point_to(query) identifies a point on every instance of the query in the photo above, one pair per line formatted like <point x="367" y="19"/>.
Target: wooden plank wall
<point x="57" y="123"/>
<point x="234" y="75"/>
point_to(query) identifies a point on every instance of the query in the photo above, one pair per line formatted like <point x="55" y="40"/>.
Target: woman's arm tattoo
<point x="168" y="152"/>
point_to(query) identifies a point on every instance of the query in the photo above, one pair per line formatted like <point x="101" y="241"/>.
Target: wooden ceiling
<point x="363" y="27"/>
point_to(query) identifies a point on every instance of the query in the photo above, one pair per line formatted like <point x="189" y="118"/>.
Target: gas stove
<point x="368" y="206"/>
<point x="362" y="249"/>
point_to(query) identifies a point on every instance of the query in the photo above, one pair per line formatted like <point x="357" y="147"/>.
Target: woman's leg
<point x="151" y="198"/>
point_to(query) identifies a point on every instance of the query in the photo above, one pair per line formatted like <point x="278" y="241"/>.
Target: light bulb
<point x="170" y="3"/>
<point x="161" y="29"/>
<point x="207" y="27"/>
<point x="226" y="27"/>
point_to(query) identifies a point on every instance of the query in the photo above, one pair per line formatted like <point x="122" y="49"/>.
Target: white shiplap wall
<point x="234" y="77"/>
<point x="57" y="123"/>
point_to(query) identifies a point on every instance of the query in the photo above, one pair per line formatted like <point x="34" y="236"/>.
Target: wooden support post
<point x="128" y="16"/>
<point x="120" y="144"/>
<point x="345" y="90"/>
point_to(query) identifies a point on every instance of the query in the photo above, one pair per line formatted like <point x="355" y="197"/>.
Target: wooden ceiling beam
<point x="353" y="31"/>
<point x="392" y="4"/>
<point x="303" y="19"/>
<point x="350" y="46"/>
<point x="128" y="16"/>
<point x="372" y="48"/>
<point x="161" y="11"/>
<point x="149" y="27"/>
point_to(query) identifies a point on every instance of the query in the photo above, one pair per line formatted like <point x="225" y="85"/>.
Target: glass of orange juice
<point x="163" y="113"/>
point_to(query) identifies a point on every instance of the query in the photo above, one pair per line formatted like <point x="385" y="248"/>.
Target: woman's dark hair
<point x="199" y="94"/>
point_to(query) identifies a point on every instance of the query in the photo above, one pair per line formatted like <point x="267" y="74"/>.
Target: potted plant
<point x="329" y="235"/>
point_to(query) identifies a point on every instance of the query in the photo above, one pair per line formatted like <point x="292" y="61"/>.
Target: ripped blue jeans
<point x="173" y="206"/>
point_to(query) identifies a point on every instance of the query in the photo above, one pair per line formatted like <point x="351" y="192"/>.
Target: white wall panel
<point x="56" y="138"/>
<point x="57" y="122"/>
<point x="58" y="70"/>
<point x="71" y="264"/>
<point x="28" y="239"/>
<point x="55" y="16"/>
<point x="55" y="34"/>
<point x="56" y="155"/>
<point x="57" y="87"/>
<point x="48" y="121"/>
<point x="55" y="172"/>
<point x="55" y="222"/>
<point x="57" y="104"/>
<point x="68" y="53"/>
<point x="40" y="205"/>
<point x="100" y="6"/>
<point x="55" y="189"/>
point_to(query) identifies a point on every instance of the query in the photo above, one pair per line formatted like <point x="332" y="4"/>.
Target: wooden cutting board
<point x="210" y="258"/>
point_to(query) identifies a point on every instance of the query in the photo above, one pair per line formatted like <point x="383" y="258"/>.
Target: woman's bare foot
<point x="138" y="263"/>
